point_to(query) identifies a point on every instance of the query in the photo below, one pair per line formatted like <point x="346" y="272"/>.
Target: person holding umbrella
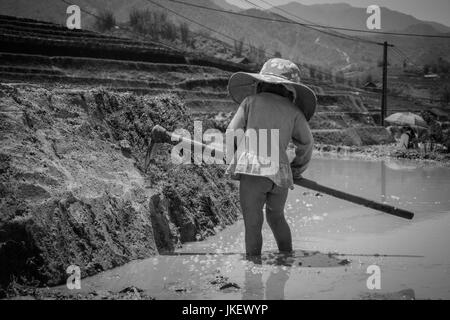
<point x="404" y="139"/>
<point x="408" y="139"/>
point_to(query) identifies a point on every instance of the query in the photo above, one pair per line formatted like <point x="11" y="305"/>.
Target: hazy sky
<point x="430" y="10"/>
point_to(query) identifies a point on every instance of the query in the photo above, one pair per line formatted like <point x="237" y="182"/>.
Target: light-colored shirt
<point x="404" y="141"/>
<point x="270" y="111"/>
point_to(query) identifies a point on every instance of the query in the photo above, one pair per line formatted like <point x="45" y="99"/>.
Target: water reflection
<point x="406" y="294"/>
<point x="393" y="165"/>
<point x="277" y="267"/>
<point x="383" y="180"/>
<point x="254" y="288"/>
<point x="275" y="284"/>
<point x="283" y="264"/>
<point x="301" y="258"/>
<point x="420" y="188"/>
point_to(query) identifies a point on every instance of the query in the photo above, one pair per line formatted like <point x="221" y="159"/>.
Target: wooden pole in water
<point x="159" y="134"/>
<point x="309" y="184"/>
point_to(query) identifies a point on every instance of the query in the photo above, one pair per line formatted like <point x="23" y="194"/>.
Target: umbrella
<point x="406" y="119"/>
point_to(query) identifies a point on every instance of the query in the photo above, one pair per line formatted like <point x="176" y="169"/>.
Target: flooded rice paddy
<point x="335" y="243"/>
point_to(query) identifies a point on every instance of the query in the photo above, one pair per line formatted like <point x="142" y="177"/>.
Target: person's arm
<point x="238" y="123"/>
<point x="239" y="120"/>
<point x="303" y="141"/>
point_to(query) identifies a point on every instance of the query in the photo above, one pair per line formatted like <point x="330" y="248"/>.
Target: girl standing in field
<point x="273" y="99"/>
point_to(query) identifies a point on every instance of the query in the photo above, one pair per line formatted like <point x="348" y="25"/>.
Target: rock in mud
<point x="230" y="285"/>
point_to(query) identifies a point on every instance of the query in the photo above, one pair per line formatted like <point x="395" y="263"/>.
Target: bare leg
<point x="276" y="200"/>
<point x="252" y="193"/>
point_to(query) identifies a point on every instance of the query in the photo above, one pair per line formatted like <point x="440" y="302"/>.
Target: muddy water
<point x="335" y="243"/>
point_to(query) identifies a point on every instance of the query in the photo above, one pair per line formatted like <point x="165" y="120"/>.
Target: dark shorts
<point x="257" y="191"/>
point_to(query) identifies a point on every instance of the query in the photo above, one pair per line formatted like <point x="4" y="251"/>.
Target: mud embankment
<point x="75" y="187"/>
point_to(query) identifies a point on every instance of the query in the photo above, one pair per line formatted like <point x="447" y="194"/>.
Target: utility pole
<point x="384" y="92"/>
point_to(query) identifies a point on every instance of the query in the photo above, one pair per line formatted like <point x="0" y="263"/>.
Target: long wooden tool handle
<point x="160" y="134"/>
<point x="309" y="184"/>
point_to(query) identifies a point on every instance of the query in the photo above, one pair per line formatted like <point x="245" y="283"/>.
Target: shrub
<point x="184" y="32"/>
<point x="445" y="94"/>
<point x="142" y="21"/>
<point x="312" y="72"/>
<point x="238" y="47"/>
<point x="106" y="21"/>
<point x="134" y="18"/>
<point x="153" y="24"/>
<point x="168" y="31"/>
<point x="446" y="140"/>
<point x="257" y="55"/>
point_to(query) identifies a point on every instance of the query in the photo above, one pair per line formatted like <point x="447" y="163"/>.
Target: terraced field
<point x="51" y="56"/>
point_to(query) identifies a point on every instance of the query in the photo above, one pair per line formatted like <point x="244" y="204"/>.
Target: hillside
<point x="295" y="42"/>
<point x="129" y="65"/>
<point x="226" y="5"/>
<point x="347" y="16"/>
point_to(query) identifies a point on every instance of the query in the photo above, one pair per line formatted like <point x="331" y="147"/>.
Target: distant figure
<point x="407" y="139"/>
<point x="413" y="141"/>
<point x="404" y="140"/>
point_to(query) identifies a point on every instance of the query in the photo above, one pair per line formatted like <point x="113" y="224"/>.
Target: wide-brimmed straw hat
<point x="277" y="71"/>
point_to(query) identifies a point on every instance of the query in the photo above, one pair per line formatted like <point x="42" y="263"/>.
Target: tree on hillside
<point x="257" y="54"/>
<point x="238" y="47"/>
<point x="169" y="31"/>
<point x="340" y="78"/>
<point x="319" y="75"/>
<point x="443" y="65"/>
<point x="184" y="32"/>
<point x="154" y="24"/>
<point x="312" y="72"/>
<point x="261" y="54"/>
<point x="106" y="21"/>
<point x="445" y="94"/>
<point x="252" y="53"/>
<point x="142" y="21"/>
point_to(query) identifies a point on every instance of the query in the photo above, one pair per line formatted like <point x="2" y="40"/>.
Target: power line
<point x="310" y="68"/>
<point x="397" y="51"/>
<point x="400" y="53"/>
<point x="191" y="20"/>
<point x="310" y="25"/>
<point x="407" y="58"/>
<point x="199" y="24"/>
<point x="334" y="34"/>
<point x="266" y="52"/>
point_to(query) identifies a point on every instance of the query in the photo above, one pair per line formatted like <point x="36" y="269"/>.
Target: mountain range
<point x="347" y="16"/>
